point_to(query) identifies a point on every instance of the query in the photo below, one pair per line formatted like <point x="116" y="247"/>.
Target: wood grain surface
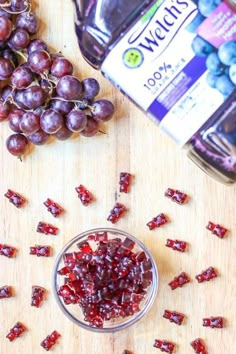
<point x="132" y="143"/>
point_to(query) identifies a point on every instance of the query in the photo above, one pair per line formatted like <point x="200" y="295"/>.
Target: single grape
<point x="19" y="98"/>
<point x="6" y="68"/>
<point x="14" y="119"/>
<point x="5" y="28"/>
<point x="30" y="123"/>
<point x="227" y="53"/>
<point x="61" y="67"/>
<point x="4" y="110"/>
<point x="201" y="47"/>
<point x="76" y="120"/>
<point x="19" y="39"/>
<point x="37" y="44"/>
<point x="51" y="121"/>
<point x="39" y="61"/>
<point x="10" y="55"/>
<point x="19" y="5"/>
<point x="90" y="87"/>
<point x="206" y="7"/>
<point x="34" y="97"/>
<point x="224" y="85"/>
<point x="60" y="106"/>
<point x="17" y="144"/>
<point x="22" y="77"/>
<point x="38" y="138"/>
<point x="6" y="92"/>
<point x="91" y="128"/>
<point x="214" y="64"/>
<point x="69" y="88"/>
<point x="46" y="86"/>
<point x="63" y="133"/>
<point x="102" y="110"/>
<point x="5" y="14"/>
<point x="28" y="21"/>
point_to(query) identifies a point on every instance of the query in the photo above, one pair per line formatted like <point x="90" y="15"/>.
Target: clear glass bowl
<point x="74" y="311"/>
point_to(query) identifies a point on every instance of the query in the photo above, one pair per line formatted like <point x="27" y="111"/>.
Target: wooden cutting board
<point x="132" y="143"/>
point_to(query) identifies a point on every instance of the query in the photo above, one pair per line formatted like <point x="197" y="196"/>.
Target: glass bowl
<point x="121" y="280"/>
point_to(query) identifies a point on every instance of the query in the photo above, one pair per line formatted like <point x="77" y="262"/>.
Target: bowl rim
<point x="134" y="318"/>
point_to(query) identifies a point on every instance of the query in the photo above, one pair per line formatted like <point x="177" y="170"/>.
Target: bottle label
<point x="178" y="63"/>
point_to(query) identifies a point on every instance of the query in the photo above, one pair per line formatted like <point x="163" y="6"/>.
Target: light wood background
<point x="132" y="143"/>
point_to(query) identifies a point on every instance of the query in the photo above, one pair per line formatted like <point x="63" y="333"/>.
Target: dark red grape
<point x="19" y="98"/>
<point x="61" y="67"/>
<point x="63" y="133"/>
<point x="14" y="119"/>
<point x="6" y="68"/>
<point x="22" y="77"/>
<point x="90" y="87"/>
<point x="51" y="121"/>
<point x="47" y="86"/>
<point x="37" y="44"/>
<point x="38" y="138"/>
<point x="39" y="61"/>
<point x="10" y="55"/>
<point x="17" y="144"/>
<point x="102" y="110"/>
<point x="76" y="120"/>
<point x="34" y="97"/>
<point x="4" y="110"/>
<point x="91" y="128"/>
<point x="69" y="88"/>
<point x="5" y="28"/>
<point x="28" y="21"/>
<point x="30" y="123"/>
<point x="60" y="106"/>
<point x="19" y="39"/>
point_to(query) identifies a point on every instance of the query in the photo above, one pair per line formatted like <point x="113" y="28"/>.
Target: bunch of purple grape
<point x="41" y="96"/>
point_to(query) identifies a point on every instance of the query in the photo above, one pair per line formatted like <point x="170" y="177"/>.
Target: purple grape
<point x="60" y="106"/>
<point x="6" y="92"/>
<point x="22" y="77"/>
<point x="102" y="110"/>
<point x="63" y="133"/>
<point x="34" y="97"/>
<point x="39" y="61"/>
<point x="76" y="120"/>
<point x="19" y="98"/>
<point x="90" y="88"/>
<point x="17" y="144"/>
<point x="38" y="138"/>
<point x="5" y="14"/>
<point x="6" y="68"/>
<point x="10" y="55"/>
<point x="30" y="123"/>
<point x="19" y="39"/>
<point x="5" y="28"/>
<point x="69" y="88"/>
<point x="91" y="128"/>
<point x="28" y="21"/>
<point x="61" y="67"/>
<point x="14" y="119"/>
<point x="51" y="121"/>
<point x="19" y="5"/>
<point x="37" y="44"/>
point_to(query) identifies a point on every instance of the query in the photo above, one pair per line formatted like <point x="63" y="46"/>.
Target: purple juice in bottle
<point x="176" y="60"/>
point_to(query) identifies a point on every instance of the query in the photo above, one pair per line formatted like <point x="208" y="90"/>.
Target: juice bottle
<point x="176" y="60"/>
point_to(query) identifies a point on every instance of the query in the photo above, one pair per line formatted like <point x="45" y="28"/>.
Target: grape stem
<point x="73" y="101"/>
<point x="21" y="54"/>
